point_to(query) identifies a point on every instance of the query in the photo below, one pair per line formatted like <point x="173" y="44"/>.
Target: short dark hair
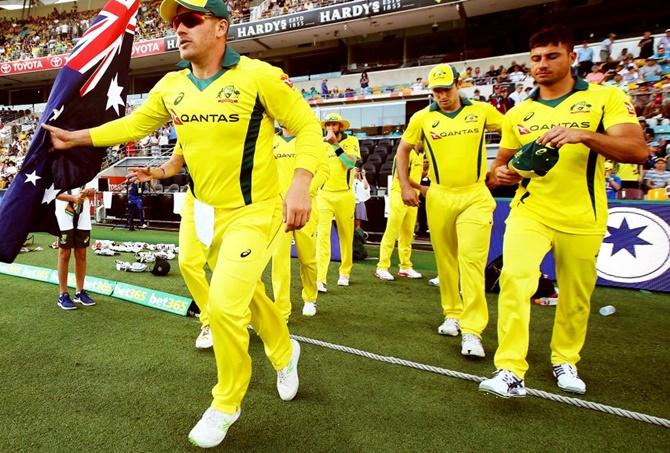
<point x="558" y="35"/>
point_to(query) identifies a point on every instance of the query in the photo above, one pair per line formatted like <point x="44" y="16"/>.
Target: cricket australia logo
<point x="580" y="107"/>
<point x="471" y="118"/>
<point x="228" y="94"/>
<point x="636" y="247"/>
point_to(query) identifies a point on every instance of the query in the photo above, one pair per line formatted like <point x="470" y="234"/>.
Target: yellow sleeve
<point x="509" y="139"/>
<point x="618" y="109"/>
<point x="494" y="119"/>
<point x="178" y="150"/>
<point x="288" y="107"/>
<point x="322" y="171"/>
<point x="414" y="133"/>
<point x="140" y="123"/>
<point x="356" y="147"/>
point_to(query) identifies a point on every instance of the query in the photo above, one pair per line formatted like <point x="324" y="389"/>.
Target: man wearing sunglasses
<point x="223" y="107"/>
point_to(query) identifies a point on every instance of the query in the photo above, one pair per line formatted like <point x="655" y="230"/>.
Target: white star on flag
<point x="57" y="112"/>
<point x="32" y="177"/>
<point x="50" y="194"/>
<point x="114" y="98"/>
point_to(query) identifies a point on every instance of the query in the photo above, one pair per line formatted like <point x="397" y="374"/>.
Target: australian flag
<point x="89" y="90"/>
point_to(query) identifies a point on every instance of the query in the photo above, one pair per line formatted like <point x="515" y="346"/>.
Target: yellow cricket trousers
<point x="340" y="205"/>
<point x="526" y="243"/>
<point x="400" y="227"/>
<point x="243" y="242"/>
<point x="460" y="222"/>
<point x="305" y="244"/>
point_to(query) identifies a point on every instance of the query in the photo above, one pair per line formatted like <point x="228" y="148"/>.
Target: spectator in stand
<point x="517" y="75"/>
<point x="646" y="46"/>
<point x="324" y="88"/>
<point x="492" y="72"/>
<point x="651" y="71"/>
<point x="612" y="181"/>
<point x="655" y="107"/>
<point x="658" y="177"/>
<point x="418" y="85"/>
<point x="606" y="48"/>
<point x="518" y="95"/>
<point x="478" y="97"/>
<point x="665" y="41"/>
<point x="503" y="75"/>
<point x="662" y="59"/>
<point x="313" y="93"/>
<point x="500" y="100"/>
<point x="623" y="55"/>
<point x="478" y="76"/>
<point x="154" y="144"/>
<point x="630" y="74"/>
<point x="362" y="193"/>
<point x="365" y="82"/>
<point x="596" y="75"/>
<point x="309" y="5"/>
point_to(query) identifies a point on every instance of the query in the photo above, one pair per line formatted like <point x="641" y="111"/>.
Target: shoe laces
<point x="284" y="373"/>
<point x="470" y="338"/>
<point x="565" y="368"/>
<point x="219" y="420"/>
<point x="509" y="378"/>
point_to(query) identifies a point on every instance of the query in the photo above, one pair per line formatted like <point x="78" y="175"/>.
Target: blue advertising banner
<point x="635" y="252"/>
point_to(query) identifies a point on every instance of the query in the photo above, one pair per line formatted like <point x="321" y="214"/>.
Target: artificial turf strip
<point x="121" y="377"/>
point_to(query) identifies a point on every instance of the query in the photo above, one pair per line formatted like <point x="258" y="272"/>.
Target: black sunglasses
<point x="190" y="19"/>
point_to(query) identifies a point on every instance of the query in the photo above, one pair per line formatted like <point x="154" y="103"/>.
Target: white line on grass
<point x="471" y="377"/>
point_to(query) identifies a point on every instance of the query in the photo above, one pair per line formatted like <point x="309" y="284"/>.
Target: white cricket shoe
<point x="434" y="281"/>
<point x="204" y="340"/>
<point x="568" y="380"/>
<point x="309" y="309"/>
<point x="471" y="345"/>
<point x="450" y="326"/>
<point x="287" y="377"/>
<point x="343" y="281"/>
<point x="212" y="428"/>
<point x="321" y="287"/>
<point x="505" y="384"/>
<point x="384" y="274"/>
<point x="409" y="273"/>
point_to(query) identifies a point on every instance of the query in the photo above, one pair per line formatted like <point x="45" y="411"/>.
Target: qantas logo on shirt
<point x="436" y="136"/>
<point x="179" y="120"/>
<point x="284" y="155"/>
<point x="522" y="129"/>
<point x="546" y="127"/>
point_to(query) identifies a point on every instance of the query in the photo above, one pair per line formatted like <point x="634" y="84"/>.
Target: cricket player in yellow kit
<point x="564" y="211"/>
<point x="304" y="238"/>
<point x="459" y="206"/>
<point x="223" y="107"/>
<point x="400" y="223"/>
<point x="336" y="200"/>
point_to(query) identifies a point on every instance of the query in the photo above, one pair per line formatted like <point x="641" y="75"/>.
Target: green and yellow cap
<point x="533" y="160"/>
<point x="442" y="76"/>
<point x="218" y="8"/>
<point x="335" y="118"/>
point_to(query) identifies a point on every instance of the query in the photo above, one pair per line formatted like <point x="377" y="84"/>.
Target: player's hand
<point x="298" y="202"/>
<point x="505" y="176"/>
<point x="560" y="136"/>
<point x="409" y="196"/>
<point x="139" y="174"/>
<point x="62" y="139"/>
<point x="331" y="137"/>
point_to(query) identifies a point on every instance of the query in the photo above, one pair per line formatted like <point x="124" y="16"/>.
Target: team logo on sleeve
<point x="580" y="107"/>
<point x="228" y="94"/>
<point x="630" y="108"/>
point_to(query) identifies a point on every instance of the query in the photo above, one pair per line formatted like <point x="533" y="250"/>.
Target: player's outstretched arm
<point x="62" y="139"/>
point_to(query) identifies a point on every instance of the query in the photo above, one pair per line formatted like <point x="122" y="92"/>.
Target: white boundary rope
<point x="664" y="422"/>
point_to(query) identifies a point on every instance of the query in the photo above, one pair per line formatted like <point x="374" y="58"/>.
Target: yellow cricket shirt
<point x="225" y="128"/>
<point x="628" y="172"/>
<point x="341" y="178"/>
<point x="414" y="170"/>
<point x="454" y="141"/>
<point x="571" y="197"/>
<point x="284" y="154"/>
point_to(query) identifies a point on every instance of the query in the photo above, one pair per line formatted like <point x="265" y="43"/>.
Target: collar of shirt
<point x="230" y="59"/>
<point x="580" y="85"/>
<point x="435" y="107"/>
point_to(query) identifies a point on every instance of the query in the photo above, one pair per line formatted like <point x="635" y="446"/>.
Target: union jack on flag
<point x="89" y="90"/>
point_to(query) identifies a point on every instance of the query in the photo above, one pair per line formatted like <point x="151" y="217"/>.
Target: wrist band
<point x="338" y="151"/>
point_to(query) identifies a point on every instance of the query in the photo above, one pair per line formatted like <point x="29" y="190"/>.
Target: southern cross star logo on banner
<point x="625" y="238"/>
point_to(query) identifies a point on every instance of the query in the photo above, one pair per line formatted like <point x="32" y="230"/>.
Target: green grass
<point x="122" y="377"/>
